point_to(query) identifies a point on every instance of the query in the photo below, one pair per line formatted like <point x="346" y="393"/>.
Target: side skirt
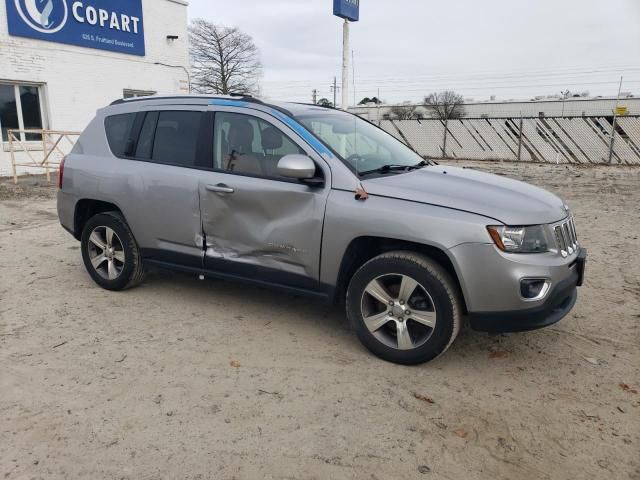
<point x="325" y="293"/>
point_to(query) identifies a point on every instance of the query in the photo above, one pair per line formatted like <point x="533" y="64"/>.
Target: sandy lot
<point x="194" y="380"/>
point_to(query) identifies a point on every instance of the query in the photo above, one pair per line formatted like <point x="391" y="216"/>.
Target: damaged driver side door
<point x="256" y="223"/>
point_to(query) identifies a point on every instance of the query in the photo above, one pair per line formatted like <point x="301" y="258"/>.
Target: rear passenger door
<point x="258" y="224"/>
<point x="164" y="159"/>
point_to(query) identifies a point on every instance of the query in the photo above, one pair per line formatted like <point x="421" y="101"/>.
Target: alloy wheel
<point x="106" y="252"/>
<point x="398" y="311"/>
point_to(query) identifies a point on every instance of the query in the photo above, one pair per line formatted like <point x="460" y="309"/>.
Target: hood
<point x="509" y="201"/>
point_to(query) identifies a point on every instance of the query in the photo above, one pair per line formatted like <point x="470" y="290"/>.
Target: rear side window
<point x="176" y="138"/>
<point x="144" y="148"/>
<point x="118" y="130"/>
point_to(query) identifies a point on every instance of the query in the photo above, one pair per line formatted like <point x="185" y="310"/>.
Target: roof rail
<point x="245" y="97"/>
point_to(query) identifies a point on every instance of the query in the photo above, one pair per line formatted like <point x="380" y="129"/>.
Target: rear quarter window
<point x="118" y="130"/>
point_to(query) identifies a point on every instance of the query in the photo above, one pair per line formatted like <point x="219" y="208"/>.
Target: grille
<point x="566" y="237"/>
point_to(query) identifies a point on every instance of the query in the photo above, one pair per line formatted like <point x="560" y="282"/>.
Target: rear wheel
<point x="110" y="252"/>
<point x="405" y="307"/>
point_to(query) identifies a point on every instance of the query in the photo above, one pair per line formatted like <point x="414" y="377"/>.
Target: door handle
<point x="220" y="188"/>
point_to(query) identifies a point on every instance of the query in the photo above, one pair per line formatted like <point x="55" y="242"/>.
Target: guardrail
<point x="52" y="145"/>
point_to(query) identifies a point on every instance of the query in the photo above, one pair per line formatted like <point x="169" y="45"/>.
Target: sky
<point x="510" y="49"/>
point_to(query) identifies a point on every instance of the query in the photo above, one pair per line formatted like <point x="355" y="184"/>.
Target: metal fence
<point x="575" y="140"/>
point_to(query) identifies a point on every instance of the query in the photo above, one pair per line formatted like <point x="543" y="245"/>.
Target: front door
<point x="257" y="224"/>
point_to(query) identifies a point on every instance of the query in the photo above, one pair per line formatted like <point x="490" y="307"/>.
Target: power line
<point x="472" y="75"/>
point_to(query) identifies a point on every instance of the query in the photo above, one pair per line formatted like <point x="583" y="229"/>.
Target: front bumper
<point x="558" y="304"/>
<point x="491" y="289"/>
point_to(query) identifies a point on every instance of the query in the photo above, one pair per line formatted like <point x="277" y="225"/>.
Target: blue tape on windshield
<point x="301" y="130"/>
<point x="294" y="125"/>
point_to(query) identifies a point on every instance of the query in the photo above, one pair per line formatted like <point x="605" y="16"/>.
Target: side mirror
<point x="296" y="166"/>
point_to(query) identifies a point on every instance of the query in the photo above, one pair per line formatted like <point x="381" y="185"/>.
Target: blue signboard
<point x="348" y="9"/>
<point x="114" y="25"/>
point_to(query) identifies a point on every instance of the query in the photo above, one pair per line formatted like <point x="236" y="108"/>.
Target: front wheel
<point x="405" y="307"/>
<point x="110" y="252"/>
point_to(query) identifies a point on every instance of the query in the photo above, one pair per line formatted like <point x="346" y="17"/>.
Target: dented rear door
<point x="262" y="228"/>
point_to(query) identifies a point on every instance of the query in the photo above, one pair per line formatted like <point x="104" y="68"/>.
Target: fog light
<point x="534" y="288"/>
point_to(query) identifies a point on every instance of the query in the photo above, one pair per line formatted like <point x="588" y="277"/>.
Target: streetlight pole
<point x="178" y="66"/>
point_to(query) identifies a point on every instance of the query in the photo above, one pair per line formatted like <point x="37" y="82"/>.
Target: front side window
<point x="360" y="144"/>
<point x="20" y="109"/>
<point x="249" y="145"/>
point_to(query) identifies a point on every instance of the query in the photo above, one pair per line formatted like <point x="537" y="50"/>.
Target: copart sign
<point x="114" y="25"/>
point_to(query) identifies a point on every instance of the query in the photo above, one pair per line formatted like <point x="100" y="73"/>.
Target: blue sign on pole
<point x="114" y="25"/>
<point x="347" y="9"/>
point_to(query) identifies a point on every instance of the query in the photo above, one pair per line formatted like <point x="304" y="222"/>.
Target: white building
<point x="60" y="60"/>
<point x="543" y="107"/>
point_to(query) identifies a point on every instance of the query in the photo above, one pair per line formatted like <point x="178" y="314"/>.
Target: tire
<point x="123" y="254"/>
<point x="418" y="326"/>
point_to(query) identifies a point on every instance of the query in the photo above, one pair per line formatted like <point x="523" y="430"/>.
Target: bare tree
<point x="367" y="100"/>
<point x="223" y="60"/>
<point x="405" y="112"/>
<point x="443" y="105"/>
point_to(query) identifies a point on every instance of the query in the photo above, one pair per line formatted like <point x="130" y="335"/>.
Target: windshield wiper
<point x="396" y="168"/>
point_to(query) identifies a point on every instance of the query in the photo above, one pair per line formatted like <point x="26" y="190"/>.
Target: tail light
<point x="61" y="172"/>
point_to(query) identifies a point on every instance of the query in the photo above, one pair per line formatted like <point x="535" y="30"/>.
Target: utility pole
<point x="345" y="64"/>
<point x="334" y="89"/>
<point x="615" y="121"/>
<point x="315" y="96"/>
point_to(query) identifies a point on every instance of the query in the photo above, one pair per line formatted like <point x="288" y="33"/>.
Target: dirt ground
<point x="190" y="379"/>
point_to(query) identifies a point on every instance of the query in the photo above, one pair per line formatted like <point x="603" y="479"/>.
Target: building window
<point x="21" y="109"/>
<point x="126" y="93"/>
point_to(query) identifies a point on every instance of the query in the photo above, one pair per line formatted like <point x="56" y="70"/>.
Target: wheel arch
<point x="363" y="249"/>
<point x="87" y="208"/>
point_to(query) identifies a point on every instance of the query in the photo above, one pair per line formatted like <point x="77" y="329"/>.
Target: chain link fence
<point x="574" y="140"/>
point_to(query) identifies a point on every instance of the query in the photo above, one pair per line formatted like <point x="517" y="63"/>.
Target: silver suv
<point x="323" y="203"/>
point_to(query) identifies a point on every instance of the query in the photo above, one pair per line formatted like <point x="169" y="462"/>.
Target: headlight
<point x="519" y="239"/>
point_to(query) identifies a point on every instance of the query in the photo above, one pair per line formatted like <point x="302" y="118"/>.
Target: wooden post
<point x="13" y="158"/>
<point x="44" y="153"/>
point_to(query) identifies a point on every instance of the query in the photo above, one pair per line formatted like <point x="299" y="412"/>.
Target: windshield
<point x="360" y="144"/>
